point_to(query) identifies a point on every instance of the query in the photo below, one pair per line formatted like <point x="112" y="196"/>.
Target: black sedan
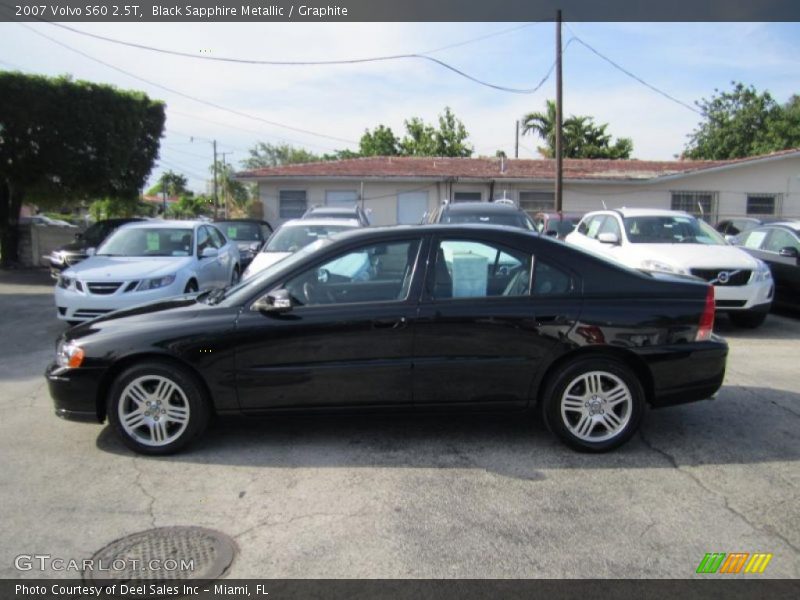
<point x="70" y="254"/>
<point x="414" y="318"/>
<point x="778" y="245"/>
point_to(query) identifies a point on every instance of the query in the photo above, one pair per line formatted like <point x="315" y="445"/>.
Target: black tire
<point x="235" y="275"/>
<point x="191" y="287"/>
<point x="190" y="398"/>
<point x="563" y="420"/>
<point x="747" y="318"/>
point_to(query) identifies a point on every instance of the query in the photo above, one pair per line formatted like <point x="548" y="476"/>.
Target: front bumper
<point x="75" y="392"/>
<point x="73" y="305"/>
<point x="685" y="372"/>
<point x="744" y="297"/>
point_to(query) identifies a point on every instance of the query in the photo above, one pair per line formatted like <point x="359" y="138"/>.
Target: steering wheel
<point x="310" y="294"/>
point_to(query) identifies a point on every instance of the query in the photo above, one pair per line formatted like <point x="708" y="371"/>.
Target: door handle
<point x="389" y="323"/>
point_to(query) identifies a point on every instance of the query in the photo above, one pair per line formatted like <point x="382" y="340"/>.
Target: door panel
<point x="348" y="340"/>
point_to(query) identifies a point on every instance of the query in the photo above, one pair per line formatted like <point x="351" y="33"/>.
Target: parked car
<point x="142" y="262"/>
<point x="486" y="213"/>
<point x="84" y="244"/>
<point x="554" y="224"/>
<point x="339" y="212"/>
<point x="676" y="242"/>
<point x="248" y="234"/>
<point x="778" y="245"/>
<point x="468" y="317"/>
<point x="294" y="235"/>
<point x="46" y="221"/>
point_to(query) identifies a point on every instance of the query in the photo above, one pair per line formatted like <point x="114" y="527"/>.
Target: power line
<point x="483" y="37"/>
<point x="182" y="94"/>
<point x="632" y="75"/>
<point x="304" y="63"/>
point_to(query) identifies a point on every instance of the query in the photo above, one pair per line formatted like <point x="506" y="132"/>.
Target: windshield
<point x="245" y="289"/>
<point x="98" y="232"/>
<point x="291" y="239"/>
<point x="564" y="227"/>
<point x="148" y="241"/>
<point x="670" y="229"/>
<point x="241" y="231"/>
<point x="510" y="220"/>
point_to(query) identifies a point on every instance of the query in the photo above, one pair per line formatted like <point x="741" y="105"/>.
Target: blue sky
<point x="687" y="60"/>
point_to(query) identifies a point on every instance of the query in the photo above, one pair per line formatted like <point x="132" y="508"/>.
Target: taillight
<point x="707" y="320"/>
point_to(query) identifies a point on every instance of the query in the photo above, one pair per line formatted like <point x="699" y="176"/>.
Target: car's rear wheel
<point x="157" y="408"/>
<point x="748" y="318"/>
<point x="594" y="405"/>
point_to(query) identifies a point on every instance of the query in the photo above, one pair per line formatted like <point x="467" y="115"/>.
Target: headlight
<point x="762" y="272"/>
<point x="65" y="282"/>
<point x="152" y="284"/>
<point x="69" y="355"/>
<point x="656" y="265"/>
<point x="57" y="257"/>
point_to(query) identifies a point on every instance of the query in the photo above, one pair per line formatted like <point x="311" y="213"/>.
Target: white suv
<point x="675" y="242"/>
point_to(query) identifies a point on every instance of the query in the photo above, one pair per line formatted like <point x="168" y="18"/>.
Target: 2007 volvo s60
<point x="432" y="317"/>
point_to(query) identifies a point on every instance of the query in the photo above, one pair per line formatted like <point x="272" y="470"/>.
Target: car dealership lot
<point x="414" y="496"/>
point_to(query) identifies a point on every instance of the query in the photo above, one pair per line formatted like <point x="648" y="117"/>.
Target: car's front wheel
<point x="157" y="408"/>
<point x="594" y="404"/>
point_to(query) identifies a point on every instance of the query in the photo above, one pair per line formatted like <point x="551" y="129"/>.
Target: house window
<point x="411" y="207"/>
<point x="292" y="203"/>
<point x="534" y="202"/>
<point x="467" y="197"/>
<point x="700" y="204"/>
<point x="761" y="204"/>
<point x="346" y="198"/>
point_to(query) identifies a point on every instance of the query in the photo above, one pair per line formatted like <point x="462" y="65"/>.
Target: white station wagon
<point x="676" y="242"/>
<point x="142" y="262"/>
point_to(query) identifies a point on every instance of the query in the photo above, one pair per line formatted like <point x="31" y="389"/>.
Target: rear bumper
<point x="685" y="372"/>
<point x="74" y="392"/>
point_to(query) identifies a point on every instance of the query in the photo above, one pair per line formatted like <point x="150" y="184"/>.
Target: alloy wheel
<point x="596" y="406"/>
<point x="153" y="410"/>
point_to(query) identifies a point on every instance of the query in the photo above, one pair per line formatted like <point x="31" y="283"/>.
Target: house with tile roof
<point x="402" y="189"/>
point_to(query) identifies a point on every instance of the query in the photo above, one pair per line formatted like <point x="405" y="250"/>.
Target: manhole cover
<point x="164" y="553"/>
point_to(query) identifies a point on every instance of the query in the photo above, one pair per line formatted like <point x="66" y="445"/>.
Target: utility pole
<point x="216" y="201"/>
<point x="225" y="183"/>
<point x="559" y="118"/>
<point x="516" y="142"/>
<point x="163" y="195"/>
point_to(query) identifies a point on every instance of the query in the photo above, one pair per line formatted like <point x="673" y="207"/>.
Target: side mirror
<point x="255" y="246"/>
<point x="608" y="238"/>
<point x="323" y="275"/>
<point x="275" y="302"/>
<point x="208" y="252"/>
<point x="789" y="252"/>
<point x="90" y="251"/>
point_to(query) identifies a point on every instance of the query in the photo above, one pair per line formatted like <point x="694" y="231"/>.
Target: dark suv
<point x="494" y="213"/>
<point x="65" y="256"/>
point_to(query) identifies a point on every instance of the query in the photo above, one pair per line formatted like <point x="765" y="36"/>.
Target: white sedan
<point x="294" y="235"/>
<point x="672" y="241"/>
<point x="146" y="261"/>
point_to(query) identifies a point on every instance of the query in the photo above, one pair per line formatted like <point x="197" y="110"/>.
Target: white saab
<point x="143" y="262"/>
<point x="676" y="242"/>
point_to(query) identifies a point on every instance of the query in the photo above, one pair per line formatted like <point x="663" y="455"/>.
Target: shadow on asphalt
<point x="745" y="425"/>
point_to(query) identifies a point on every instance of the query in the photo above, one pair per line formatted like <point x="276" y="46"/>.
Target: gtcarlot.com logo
<point x="734" y="563"/>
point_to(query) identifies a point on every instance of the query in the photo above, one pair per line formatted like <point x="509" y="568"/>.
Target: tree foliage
<point x="72" y="140"/>
<point x="743" y="122"/>
<point x="449" y="139"/>
<point x="176" y="184"/>
<point x="581" y="136"/>
<point x="233" y="193"/>
<point x="272" y="155"/>
<point x="381" y="141"/>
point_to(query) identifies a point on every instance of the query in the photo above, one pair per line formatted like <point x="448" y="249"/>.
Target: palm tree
<point x="543" y="125"/>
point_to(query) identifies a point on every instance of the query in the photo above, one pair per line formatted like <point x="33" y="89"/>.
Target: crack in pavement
<point x="138" y="483"/>
<point x="726" y="504"/>
<point x="267" y="523"/>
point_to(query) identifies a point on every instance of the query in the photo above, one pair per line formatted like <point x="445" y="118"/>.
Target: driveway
<point x="432" y="496"/>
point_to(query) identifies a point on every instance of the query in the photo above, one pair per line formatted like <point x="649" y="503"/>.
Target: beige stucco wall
<point x="730" y="185"/>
